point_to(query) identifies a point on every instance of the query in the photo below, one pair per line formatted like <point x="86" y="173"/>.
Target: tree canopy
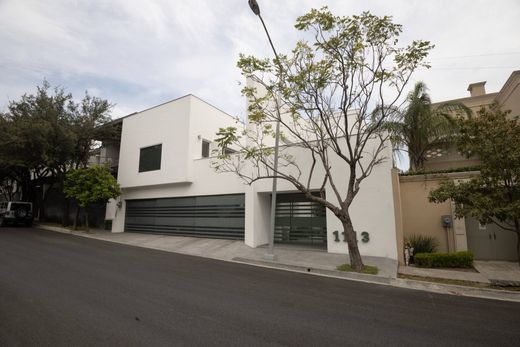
<point x="91" y="185"/>
<point x="48" y="133"/>
<point x="421" y="127"/>
<point x="494" y="195"/>
<point x="330" y="96"/>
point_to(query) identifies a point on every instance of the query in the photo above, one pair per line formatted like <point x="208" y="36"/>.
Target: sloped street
<point x="61" y="290"/>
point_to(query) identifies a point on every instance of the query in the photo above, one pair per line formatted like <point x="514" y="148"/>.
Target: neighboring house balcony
<point x="112" y="162"/>
<point x="508" y="98"/>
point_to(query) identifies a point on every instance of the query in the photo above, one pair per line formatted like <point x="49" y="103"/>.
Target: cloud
<point x="141" y="53"/>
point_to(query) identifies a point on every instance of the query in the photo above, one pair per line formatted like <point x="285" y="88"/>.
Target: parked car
<point x="16" y="212"/>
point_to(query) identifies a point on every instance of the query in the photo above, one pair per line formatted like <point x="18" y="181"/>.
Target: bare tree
<point x="332" y="97"/>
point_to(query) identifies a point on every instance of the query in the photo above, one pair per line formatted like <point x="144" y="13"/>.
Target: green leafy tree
<point x="46" y="134"/>
<point x="91" y="185"/>
<point x="34" y="136"/>
<point x="324" y="95"/>
<point x="89" y="126"/>
<point x="493" y="196"/>
<point x="422" y="127"/>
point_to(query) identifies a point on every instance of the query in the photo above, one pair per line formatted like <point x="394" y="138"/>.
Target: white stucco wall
<point x="176" y="125"/>
<point x="183" y="173"/>
<point x="372" y="210"/>
<point x="205" y="120"/>
<point x="166" y="124"/>
<point x="205" y="181"/>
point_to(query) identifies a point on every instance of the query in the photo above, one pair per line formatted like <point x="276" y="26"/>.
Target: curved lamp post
<point x="270" y="254"/>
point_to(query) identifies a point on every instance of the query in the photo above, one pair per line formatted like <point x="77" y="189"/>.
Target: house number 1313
<point x="365" y="236"/>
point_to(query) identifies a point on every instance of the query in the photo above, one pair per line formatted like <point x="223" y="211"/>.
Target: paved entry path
<point x="62" y="290"/>
<point x="287" y="256"/>
<point x="499" y="272"/>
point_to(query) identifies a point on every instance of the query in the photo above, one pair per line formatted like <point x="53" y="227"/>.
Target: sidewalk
<point x="444" y="274"/>
<point x="287" y="257"/>
<point x="297" y="259"/>
<point x="497" y="273"/>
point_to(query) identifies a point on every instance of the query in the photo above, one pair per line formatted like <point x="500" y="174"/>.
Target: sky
<point x="137" y="54"/>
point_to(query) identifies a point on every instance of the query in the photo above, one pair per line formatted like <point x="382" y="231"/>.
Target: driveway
<point x="62" y="290"/>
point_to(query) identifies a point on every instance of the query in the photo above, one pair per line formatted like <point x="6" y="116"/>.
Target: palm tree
<point x="422" y="127"/>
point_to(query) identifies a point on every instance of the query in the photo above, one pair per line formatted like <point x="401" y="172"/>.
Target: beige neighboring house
<point x="416" y="215"/>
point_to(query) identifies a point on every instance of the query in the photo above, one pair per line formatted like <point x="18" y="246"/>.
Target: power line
<point x="472" y="68"/>
<point x="476" y="55"/>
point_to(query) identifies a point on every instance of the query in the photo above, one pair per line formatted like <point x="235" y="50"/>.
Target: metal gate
<point x="216" y="216"/>
<point x="300" y="221"/>
<point x="490" y="242"/>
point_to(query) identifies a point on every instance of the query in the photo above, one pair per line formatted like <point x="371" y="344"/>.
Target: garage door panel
<point x="300" y="221"/>
<point x="217" y="200"/>
<point x="140" y="214"/>
<point x="204" y="216"/>
<point x="220" y="222"/>
<point x="176" y="202"/>
<point x="178" y="221"/>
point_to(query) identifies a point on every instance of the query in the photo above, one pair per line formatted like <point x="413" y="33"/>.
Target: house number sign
<point x="365" y="236"/>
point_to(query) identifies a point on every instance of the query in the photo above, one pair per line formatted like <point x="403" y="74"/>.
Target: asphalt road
<point x="61" y="290"/>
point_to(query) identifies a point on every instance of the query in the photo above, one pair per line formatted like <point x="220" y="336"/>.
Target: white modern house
<point x="169" y="187"/>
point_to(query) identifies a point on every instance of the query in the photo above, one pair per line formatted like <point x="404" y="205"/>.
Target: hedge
<point x="434" y="172"/>
<point x="458" y="259"/>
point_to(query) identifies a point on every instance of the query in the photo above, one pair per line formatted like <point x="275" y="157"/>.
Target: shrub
<point x="458" y="259"/>
<point x="423" y="244"/>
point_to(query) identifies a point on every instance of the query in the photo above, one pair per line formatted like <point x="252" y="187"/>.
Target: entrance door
<point x="490" y="242"/>
<point x="300" y="221"/>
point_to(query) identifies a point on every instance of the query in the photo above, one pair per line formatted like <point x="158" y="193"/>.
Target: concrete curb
<point x="438" y="288"/>
<point x="484" y="293"/>
<point x="315" y="271"/>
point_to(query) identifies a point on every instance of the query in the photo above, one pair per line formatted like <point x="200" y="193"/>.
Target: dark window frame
<point x="203" y="154"/>
<point x="148" y="157"/>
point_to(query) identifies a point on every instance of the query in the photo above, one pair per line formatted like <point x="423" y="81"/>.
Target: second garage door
<point x="216" y="216"/>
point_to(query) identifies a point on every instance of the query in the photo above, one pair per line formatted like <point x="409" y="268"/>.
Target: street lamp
<point x="270" y="254"/>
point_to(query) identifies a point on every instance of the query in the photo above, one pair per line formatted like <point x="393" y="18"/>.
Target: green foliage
<point x="47" y="133"/>
<point x="367" y="269"/>
<point x="433" y="172"/>
<point x="421" y="127"/>
<point x="322" y="95"/>
<point x="493" y="196"/>
<point x="226" y="137"/>
<point x="423" y="244"/>
<point x="91" y="185"/>
<point x="454" y="260"/>
<point x="344" y="46"/>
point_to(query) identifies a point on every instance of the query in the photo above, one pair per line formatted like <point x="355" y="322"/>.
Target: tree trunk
<point x="76" y="216"/>
<point x="518" y="246"/>
<point x="517" y="230"/>
<point x="44" y="198"/>
<point x="416" y="164"/>
<point x="86" y="219"/>
<point x="66" y="208"/>
<point x="353" y="251"/>
<point x="41" y="208"/>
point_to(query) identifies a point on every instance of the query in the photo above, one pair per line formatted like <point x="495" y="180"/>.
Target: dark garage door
<point x="300" y="221"/>
<point x="216" y="216"/>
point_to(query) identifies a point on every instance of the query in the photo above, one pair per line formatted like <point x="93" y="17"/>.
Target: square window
<point x="150" y="158"/>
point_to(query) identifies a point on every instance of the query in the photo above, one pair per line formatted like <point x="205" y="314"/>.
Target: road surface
<point x="63" y="290"/>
